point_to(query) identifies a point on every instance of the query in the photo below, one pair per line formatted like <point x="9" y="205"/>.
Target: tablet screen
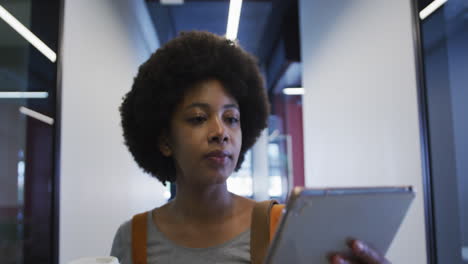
<point x="320" y="221"/>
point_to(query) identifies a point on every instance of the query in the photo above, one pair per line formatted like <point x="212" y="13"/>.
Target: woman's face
<point x="205" y="135"/>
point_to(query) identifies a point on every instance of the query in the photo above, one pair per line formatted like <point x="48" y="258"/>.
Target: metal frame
<point x="57" y="137"/>
<point x="424" y="137"/>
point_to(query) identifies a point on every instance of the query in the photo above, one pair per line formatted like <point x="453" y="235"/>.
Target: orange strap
<point x="275" y="216"/>
<point x="139" y="238"/>
<point x="265" y="218"/>
<point x="260" y="231"/>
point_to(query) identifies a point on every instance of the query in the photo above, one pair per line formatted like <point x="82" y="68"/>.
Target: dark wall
<point x="445" y="54"/>
<point x="457" y="47"/>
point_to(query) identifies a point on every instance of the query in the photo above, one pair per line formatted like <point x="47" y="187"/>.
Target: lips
<point x="218" y="154"/>
<point x="218" y="157"/>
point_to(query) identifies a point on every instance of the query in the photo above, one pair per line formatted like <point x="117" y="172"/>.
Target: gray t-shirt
<point x="161" y="250"/>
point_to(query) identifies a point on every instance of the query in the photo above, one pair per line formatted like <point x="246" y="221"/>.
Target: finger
<point x="337" y="258"/>
<point x="366" y="253"/>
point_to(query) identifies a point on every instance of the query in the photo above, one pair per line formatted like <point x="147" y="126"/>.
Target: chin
<point x="218" y="177"/>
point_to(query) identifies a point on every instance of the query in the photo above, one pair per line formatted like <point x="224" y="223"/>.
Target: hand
<point x="361" y="253"/>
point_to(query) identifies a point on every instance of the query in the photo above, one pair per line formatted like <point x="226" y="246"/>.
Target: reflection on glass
<point x="27" y="81"/>
<point x="15" y="54"/>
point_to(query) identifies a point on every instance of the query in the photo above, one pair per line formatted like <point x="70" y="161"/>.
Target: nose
<point x="218" y="132"/>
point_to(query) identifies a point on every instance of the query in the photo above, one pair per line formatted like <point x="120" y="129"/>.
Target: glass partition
<point x="444" y="45"/>
<point x="28" y="70"/>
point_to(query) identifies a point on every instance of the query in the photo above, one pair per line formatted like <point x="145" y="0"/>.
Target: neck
<point x="202" y="204"/>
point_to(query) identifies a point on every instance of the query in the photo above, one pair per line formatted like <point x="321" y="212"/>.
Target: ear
<point x="165" y="147"/>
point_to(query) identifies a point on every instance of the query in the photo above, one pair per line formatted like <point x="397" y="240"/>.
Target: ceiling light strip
<point x="36" y="115"/>
<point x="235" y="7"/>
<point x="293" y="91"/>
<point x="428" y="10"/>
<point x="29" y="95"/>
<point x="28" y="35"/>
<point x="171" y="2"/>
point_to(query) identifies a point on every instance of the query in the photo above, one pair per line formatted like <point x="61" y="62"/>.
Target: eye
<point x="232" y="120"/>
<point x="196" y="120"/>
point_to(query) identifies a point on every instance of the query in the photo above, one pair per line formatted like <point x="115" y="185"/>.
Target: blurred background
<point x="363" y="93"/>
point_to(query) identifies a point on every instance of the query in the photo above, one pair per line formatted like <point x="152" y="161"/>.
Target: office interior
<point x="362" y="93"/>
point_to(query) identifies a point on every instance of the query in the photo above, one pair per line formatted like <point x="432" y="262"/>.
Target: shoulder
<point x="125" y="227"/>
<point x="121" y="244"/>
<point x="244" y="208"/>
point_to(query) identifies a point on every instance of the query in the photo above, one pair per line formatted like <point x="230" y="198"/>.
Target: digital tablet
<point x="318" y="222"/>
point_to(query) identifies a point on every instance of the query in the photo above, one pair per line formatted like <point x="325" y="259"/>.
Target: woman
<point x="196" y="106"/>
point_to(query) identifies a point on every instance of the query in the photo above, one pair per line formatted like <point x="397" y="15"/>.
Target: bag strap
<point x="139" y="238"/>
<point x="265" y="218"/>
<point x="275" y="216"/>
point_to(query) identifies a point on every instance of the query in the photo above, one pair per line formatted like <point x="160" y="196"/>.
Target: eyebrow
<point x="207" y="106"/>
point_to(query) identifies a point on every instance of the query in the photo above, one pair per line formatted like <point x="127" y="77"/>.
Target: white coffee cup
<point x="96" y="260"/>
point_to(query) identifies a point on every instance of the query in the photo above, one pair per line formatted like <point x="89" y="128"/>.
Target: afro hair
<point x="162" y="81"/>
